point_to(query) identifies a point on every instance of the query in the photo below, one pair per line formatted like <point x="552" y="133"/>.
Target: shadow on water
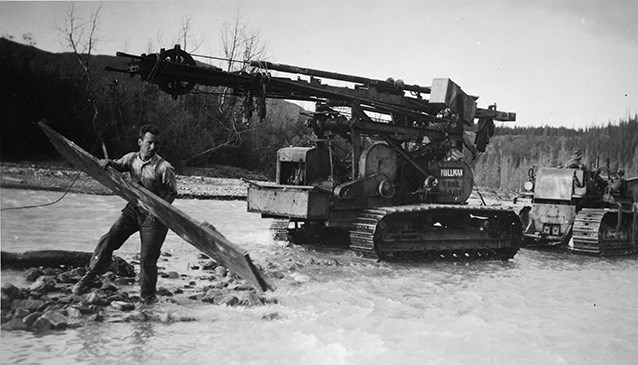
<point x="95" y="341"/>
<point x="325" y="262"/>
<point x="557" y="259"/>
<point x="525" y="263"/>
<point x="141" y="333"/>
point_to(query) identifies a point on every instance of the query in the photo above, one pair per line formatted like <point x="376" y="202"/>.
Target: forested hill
<point x="512" y="151"/>
<point x="206" y="127"/>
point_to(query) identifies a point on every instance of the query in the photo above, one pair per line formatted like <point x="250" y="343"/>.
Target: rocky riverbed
<point x="47" y="303"/>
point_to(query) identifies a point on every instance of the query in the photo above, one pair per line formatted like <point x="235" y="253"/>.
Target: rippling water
<point x="539" y="308"/>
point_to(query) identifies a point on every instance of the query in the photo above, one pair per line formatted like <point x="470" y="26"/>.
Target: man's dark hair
<point x="148" y="128"/>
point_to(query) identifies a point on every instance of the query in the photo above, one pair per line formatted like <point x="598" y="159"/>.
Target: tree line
<point x="512" y="151"/>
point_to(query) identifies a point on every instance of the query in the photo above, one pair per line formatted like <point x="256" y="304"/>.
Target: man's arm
<point x="170" y="181"/>
<point x="122" y="164"/>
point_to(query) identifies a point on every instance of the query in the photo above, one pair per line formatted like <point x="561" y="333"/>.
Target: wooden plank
<point x="201" y="235"/>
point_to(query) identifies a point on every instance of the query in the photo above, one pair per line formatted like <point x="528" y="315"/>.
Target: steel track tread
<point x="586" y="230"/>
<point x="279" y="229"/>
<point x="363" y="229"/>
<point x="590" y="235"/>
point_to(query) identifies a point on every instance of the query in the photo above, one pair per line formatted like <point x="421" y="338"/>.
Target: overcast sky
<point x="561" y="63"/>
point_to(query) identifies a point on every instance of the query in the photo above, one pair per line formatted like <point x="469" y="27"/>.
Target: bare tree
<point x="150" y="47"/>
<point x="186" y="37"/>
<point x="239" y="46"/>
<point x="159" y="39"/>
<point x="80" y="35"/>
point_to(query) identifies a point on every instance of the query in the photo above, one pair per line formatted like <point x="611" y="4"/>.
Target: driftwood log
<point x="57" y="258"/>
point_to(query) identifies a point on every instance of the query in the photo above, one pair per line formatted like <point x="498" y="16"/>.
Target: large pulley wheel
<point x="173" y="85"/>
<point x="378" y="158"/>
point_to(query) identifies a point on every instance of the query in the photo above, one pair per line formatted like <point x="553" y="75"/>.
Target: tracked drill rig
<point x="400" y="192"/>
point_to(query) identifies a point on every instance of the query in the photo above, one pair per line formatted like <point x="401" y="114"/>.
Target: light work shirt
<point x="155" y="174"/>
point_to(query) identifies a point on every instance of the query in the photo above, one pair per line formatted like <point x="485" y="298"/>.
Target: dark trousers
<point x="152" y="234"/>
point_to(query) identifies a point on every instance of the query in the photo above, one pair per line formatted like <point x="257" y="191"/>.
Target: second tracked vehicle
<point x="388" y="171"/>
<point x="589" y="212"/>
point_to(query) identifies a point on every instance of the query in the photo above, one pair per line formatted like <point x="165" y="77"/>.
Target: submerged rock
<point x="57" y="319"/>
<point x="20" y="313"/>
<point x="118" y="297"/>
<point x="31" y="305"/>
<point x="43" y="284"/>
<point x="33" y="273"/>
<point x="210" y="265"/>
<point x="74" y="323"/>
<point x="41" y="325"/>
<point x="96" y="298"/>
<point x="164" y="292"/>
<point x="122" y="306"/>
<point x="228" y="300"/>
<point x="271" y="316"/>
<point x="10" y="291"/>
<point x="31" y="318"/>
<point x="73" y="312"/>
<point x="136" y="317"/>
<point x="14" y="325"/>
<point x="65" y="278"/>
<point x="250" y="299"/>
<point x="124" y="281"/>
<point x="97" y="317"/>
<point x="5" y="301"/>
<point x="108" y="285"/>
<point x="221" y="271"/>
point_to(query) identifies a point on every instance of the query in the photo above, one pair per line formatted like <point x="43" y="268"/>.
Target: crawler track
<point x="279" y="229"/>
<point x="436" y="232"/>
<point x="597" y="232"/>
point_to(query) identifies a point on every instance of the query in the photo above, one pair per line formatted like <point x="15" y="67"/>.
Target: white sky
<point x="559" y="63"/>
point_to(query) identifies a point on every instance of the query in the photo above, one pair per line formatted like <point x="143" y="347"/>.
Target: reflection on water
<point x="539" y="308"/>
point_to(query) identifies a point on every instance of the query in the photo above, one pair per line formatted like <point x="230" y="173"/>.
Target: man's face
<point x="148" y="145"/>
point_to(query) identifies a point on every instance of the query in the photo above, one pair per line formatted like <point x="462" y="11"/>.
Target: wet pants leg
<point x="120" y="231"/>
<point x="152" y="234"/>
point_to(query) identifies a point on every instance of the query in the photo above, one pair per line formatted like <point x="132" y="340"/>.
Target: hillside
<point x="201" y="129"/>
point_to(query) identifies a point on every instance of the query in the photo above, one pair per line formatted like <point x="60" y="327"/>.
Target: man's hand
<point x="104" y="163"/>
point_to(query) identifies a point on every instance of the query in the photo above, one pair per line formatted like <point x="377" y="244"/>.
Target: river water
<point x="538" y="308"/>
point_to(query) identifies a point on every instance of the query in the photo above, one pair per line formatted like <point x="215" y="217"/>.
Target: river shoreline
<point x="59" y="177"/>
<point x="201" y="183"/>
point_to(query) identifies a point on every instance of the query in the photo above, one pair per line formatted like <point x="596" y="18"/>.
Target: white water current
<point x="334" y="307"/>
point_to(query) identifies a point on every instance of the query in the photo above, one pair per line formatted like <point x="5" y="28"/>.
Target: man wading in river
<point x="154" y="173"/>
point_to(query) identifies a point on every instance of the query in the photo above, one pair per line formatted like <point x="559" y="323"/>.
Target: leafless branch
<point x="82" y="38"/>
